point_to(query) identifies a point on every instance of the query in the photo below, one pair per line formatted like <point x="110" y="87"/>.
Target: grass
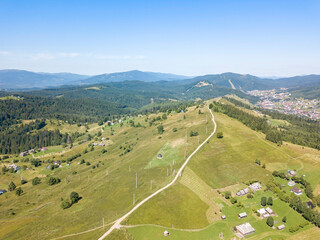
<point x="37" y="212"/>
<point x="190" y="204"/>
<point x="176" y="206"/>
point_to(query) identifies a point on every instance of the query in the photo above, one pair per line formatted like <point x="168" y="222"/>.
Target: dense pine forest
<point x="23" y="137"/>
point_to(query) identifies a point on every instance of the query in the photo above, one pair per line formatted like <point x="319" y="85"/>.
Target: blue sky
<point x="264" y="38"/>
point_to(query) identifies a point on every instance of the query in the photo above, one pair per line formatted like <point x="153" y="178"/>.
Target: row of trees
<point x="301" y="131"/>
<point x="19" y="138"/>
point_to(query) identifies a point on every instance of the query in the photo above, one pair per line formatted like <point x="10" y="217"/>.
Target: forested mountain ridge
<point x="19" y="79"/>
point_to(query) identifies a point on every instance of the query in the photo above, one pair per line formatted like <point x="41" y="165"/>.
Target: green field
<point x="191" y="209"/>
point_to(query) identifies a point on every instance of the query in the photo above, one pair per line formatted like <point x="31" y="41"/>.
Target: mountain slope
<point x="17" y="79"/>
<point x="133" y="75"/>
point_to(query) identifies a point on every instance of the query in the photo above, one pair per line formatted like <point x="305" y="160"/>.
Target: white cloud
<point x="114" y="57"/>
<point x="43" y="56"/>
<point x="69" y="55"/>
<point x="5" y="53"/>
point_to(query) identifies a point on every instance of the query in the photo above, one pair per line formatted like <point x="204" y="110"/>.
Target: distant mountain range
<point x="20" y="79"/>
<point x="23" y="80"/>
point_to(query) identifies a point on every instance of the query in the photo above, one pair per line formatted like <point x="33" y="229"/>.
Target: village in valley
<point x="281" y="100"/>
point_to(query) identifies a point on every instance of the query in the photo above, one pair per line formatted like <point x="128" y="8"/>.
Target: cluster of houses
<point x="246" y="228"/>
<point x="25" y="153"/>
<point x="55" y="163"/>
<point x="15" y="167"/>
<point x="266" y="212"/>
<point x="254" y="187"/>
<point x="100" y="144"/>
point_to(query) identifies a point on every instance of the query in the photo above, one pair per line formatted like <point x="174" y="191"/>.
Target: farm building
<point x="102" y="144"/>
<point x="281" y="227"/>
<point x="58" y="163"/>
<point x="296" y="191"/>
<point x="269" y="210"/>
<point x="223" y="217"/>
<point x="166" y="233"/>
<point x="44" y="149"/>
<point x="23" y="154"/>
<point x="242" y="215"/>
<point x="291" y="183"/>
<point x="292" y="172"/>
<point x="15" y="167"/>
<point x="261" y="211"/>
<point x="245" y="229"/>
<point x="243" y="192"/>
<point x="255" y="186"/>
<point x="2" y="191"/>
<point x="159" y="156"/>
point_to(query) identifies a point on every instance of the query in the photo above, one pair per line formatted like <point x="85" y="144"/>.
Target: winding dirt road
<point x="117" y="223"/>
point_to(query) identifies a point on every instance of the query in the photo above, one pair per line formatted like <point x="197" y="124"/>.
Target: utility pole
<point x="134" y="199"/>
<point x="136" y="180"/>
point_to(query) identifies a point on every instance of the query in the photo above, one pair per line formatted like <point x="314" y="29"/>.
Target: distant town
<point x="281" y="100"/>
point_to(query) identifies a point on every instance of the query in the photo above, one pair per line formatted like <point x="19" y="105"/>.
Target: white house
<point x="245" y="229"/>
<point x="242" y="215"/>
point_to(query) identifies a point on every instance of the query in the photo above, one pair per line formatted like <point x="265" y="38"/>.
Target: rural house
<point x="245" y="229"/>
<point x="296" y="191"/>
<point x="242" y="215"/>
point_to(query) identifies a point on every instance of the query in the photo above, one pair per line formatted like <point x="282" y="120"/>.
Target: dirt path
<point x="117" y="223"/>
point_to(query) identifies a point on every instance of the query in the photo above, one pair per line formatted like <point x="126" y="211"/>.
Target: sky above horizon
<point x="263" y="38"/>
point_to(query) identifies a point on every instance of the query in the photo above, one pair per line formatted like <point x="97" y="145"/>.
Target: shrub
<point x="174" y="130"/>
<point x="263" y="201"/>
<point x="219" y="134"/>
<point x="160" y="129"/>
<point x="36" y="181"/>
<point x="19" y="191"/>
<point x="270" y="221"/>
<point x="52" y="181"/>
<point x="284" y="219"/>
<point x="227" y="194"/>
<point x="270" y="201"/>
<point x="65" y="204"/>
<point x="88" y="163"/>
<point x="250" y="195"/>
<point x="233" y="200"/>
<point x="12" y="186"/>
<point x="193" y="134"/>
<point x="103" y="151"/>
<point x="74" y="197"/>
<point x="294" y="229"/>
<point x="23" y="181"/>
<point x="35" y="162"/>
